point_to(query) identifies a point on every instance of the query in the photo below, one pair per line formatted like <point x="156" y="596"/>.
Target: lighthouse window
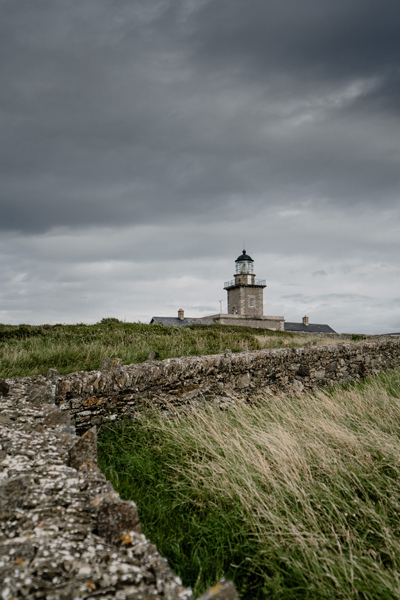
<point x="244" y="267"/>
<point x="252" y="302"/>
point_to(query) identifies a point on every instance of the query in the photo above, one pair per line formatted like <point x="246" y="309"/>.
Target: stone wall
<point x="65" y="534"/>
<point x="116" y="391"/>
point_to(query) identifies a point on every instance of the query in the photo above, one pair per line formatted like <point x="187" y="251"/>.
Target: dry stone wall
<point x="65" y="533"/>
<point x="116" y="391"/>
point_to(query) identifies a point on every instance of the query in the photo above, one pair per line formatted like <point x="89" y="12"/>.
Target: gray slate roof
<point x="312" y="327"/>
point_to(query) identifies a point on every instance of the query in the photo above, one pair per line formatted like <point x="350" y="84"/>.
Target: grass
<point x="293" y="498"/>
<point x="32" y="350"/>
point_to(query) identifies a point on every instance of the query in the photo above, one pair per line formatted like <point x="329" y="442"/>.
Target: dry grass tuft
<point x="313" y="482"/>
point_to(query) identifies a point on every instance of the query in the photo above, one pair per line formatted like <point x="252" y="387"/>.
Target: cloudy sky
<point x="143" y="142"/>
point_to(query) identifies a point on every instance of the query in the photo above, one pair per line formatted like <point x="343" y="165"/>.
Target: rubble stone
<point x="4" y="387"/>
<point x="41" y="394"/>
<point x="52" y="375"/>
<point x="13" y="492"/>
<point x="116" y="518"/>
<point x="105" y="364"/>
<point x="84" y="451"/>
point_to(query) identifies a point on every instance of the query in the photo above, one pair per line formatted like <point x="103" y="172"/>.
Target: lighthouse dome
<point x="244" y="256"/>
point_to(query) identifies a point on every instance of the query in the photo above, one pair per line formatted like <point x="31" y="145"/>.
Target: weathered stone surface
<point x="116" y="517"/>
<point x="243" y="381"/>
<point x="4" y="387"/>
<point x="84" y="450"/>
<point x="224" y="590"/>
<point x="116" y="367"/>
<point x="106" y="364"/>
<point x="13" y="492"/>
<point x="57" y="418"/>
<point x="41" y="394"/>
<point x="48" y="545"/>
<point x="52" y="375"/>
<point x="297" y="386"/>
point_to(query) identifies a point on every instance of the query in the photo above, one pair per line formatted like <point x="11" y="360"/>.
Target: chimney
<point x="306" y="321"/>
<point x="181" y="314"/>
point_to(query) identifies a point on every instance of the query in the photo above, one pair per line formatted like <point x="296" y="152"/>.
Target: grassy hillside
<point x="31" y="350"/>
<point x="296" y="498"/>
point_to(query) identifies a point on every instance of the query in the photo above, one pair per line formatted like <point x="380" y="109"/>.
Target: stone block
<point x="320" y="374"/>
<point x="84" y="450"/>
<point x="4" y="387"/>
<point x="106" y="364"/>
<point x="224" y="590"/>
<point x="115" y="518"/>
<point x="297" y="386"/>
<point x="57" y="417"/>
<point x="243" y="381"/>
<point x="41" y="394"/>
<point x="52" y="375"/>
<point x="13" y="492"/>
<point x="304" y="370"/>
<point x="63" y="388"/>
<point x="332" y="366"/>
<point x="116" y="365"/>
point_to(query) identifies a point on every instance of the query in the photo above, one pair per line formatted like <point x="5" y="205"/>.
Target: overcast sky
<point x="143" y="142"/>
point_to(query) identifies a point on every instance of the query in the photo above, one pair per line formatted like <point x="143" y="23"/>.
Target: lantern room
<point x="244" y="264"/>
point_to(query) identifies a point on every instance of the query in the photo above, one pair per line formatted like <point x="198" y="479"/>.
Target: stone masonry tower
<point x="245" y="292"/>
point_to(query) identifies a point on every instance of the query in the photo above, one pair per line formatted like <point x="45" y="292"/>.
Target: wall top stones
<point x="222" y="379"/>
<point x="116" y="378"/>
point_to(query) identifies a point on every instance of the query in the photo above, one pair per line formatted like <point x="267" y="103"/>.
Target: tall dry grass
<point x="311" y="484"/>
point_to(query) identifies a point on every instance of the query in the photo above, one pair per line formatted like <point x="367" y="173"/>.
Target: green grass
<point x="32" y="350"/>
<point x="291" y="498"/>
<point x="356" y="337"/>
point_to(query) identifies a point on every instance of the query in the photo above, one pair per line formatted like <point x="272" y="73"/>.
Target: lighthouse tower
<point x="245" y="302"/>
<point x="245" y="292"/>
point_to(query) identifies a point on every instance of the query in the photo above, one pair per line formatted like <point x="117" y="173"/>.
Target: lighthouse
<point x="245" y="302"/>
<point x="245" y="292"/>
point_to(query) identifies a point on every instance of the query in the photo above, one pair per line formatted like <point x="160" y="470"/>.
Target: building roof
<point x="244" y="256"/>
<point x="174" y="321"/>
<point x="312" y="327"/>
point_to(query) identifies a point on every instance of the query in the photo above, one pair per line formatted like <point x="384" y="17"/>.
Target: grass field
<point x="32" y="350"/>
<point x="294" y="498"/>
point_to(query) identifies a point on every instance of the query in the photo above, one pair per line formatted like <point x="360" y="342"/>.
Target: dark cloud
<point x="323" y="40"/>
<point x="155" y="111"/>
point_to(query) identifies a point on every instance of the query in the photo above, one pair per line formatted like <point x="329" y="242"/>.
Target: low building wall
<point x="117" y="390"/>
<point x="264" y="322"/>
